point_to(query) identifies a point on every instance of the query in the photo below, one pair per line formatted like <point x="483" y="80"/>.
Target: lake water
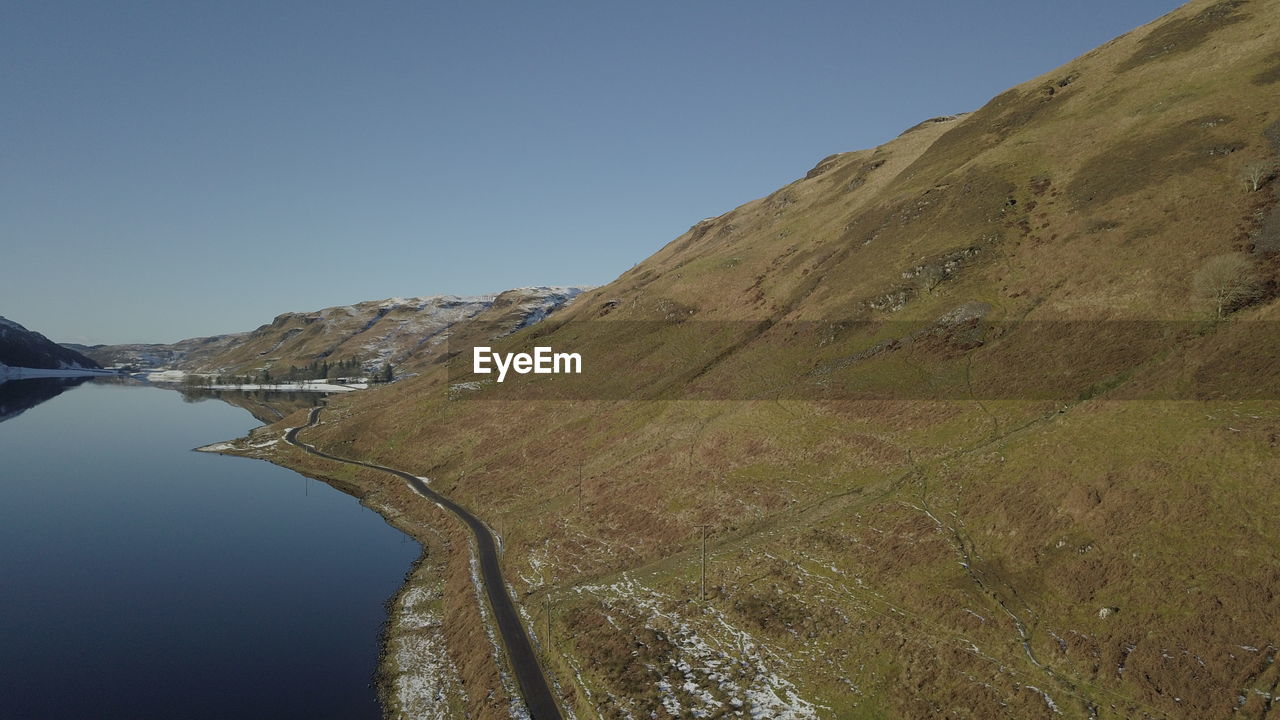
<point x="139" y="579"/>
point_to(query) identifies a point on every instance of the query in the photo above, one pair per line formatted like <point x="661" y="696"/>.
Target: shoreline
<point x="291" y="387"/>
<point x="182" y="378"/>
<point x="23" y="373"/>
<point x="500" y="619"/>
<point x="418" y="673"/>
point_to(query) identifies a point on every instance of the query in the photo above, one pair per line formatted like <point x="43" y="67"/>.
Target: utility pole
<point x="548" y="622"/>
<point x="579" y="488"/>
<point x="704" y="562"/>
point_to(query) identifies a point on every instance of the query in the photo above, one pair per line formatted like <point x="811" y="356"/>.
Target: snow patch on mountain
<point x="713" y="667"/>
<point x="395" y="331"/>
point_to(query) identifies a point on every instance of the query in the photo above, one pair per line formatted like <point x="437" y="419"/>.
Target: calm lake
<point x="139" y="579"/>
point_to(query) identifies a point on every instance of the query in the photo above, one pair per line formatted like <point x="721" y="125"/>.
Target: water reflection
<point x="267" y="406"/>
<point x="143" y="580"/>
<point x="18" y="396"/>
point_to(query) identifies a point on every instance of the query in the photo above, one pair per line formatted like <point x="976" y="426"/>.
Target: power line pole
<point x="704" y="562"/>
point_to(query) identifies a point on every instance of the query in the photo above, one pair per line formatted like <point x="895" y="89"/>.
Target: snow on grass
<point x="538" y="559"/>
<point x="545" y="301"/>
<point x="457" y="390"/>
<point x="1048" y="701"/>
<point x="388" y="338"/>
<point x="586" y="690"/>
<point x="714" y="668"/>
<point x="283" y="339"/>
<point x="243" y="444"/>
<point x="423" y="677"/>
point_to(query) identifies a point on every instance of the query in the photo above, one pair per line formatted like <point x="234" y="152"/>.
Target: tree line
<point x="315" y="370"/>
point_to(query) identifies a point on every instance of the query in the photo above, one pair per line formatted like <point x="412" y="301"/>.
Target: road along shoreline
<point x="534" y="688"/>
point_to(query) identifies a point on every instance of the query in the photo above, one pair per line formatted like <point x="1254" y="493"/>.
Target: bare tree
<point x="1256" y="174"/>
<point x="1226" y="282"/>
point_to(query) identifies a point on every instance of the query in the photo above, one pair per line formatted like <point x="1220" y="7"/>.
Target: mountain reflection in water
<point x="18" y="396"/>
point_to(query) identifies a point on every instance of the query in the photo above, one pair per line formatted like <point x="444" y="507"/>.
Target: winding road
<point x="538" y="698"/>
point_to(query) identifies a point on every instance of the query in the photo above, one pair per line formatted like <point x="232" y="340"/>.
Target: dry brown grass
<point x="950" y="555"/>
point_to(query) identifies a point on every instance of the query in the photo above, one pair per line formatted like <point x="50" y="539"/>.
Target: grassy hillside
<point x="964" y="426"/>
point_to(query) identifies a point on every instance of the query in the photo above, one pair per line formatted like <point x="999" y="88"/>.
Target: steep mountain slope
<point x="406" y="332"/>
<point x="20" y="347"/>
<point x="964" y="426"/>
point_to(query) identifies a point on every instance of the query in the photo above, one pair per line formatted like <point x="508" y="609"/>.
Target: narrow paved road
<point x="533" y="684"/>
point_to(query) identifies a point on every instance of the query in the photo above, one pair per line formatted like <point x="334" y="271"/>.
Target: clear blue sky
<point x="172" y="169"/>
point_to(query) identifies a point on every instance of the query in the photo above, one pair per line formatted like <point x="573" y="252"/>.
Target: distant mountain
<point x="20" y="347"/>
<point x="405" y="332"/>
<point x="145" y="355"/>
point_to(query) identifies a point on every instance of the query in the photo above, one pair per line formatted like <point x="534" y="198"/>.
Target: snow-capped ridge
<point x="396" y="331"/>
